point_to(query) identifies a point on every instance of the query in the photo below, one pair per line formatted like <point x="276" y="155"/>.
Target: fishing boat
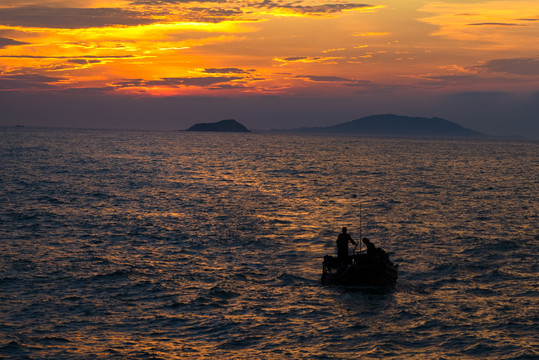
<point x="362" y="270"/>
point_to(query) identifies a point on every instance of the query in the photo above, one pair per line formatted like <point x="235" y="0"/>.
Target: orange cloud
<point x="101" y="44"/>
<point x="505" y="24"/>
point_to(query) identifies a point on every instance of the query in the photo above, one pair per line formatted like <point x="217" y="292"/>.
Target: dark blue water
<point x="155" y="245"/>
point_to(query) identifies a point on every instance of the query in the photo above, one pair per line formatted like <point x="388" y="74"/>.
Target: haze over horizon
<point x="153" y="64"/>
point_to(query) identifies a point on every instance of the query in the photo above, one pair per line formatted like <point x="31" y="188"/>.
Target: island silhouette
<point x="373" y="125"/>
<point x="392" y="125"/>
<point x="229" y="125"/>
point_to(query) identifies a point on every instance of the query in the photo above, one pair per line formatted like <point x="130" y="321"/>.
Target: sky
<point x="167" y="64"/>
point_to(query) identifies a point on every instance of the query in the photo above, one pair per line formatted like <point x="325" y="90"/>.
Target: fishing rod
<point x="360" y="225"/>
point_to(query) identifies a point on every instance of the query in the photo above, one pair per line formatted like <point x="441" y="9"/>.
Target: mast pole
<point x="360" y="226"/>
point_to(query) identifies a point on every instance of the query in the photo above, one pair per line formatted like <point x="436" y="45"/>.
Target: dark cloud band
<point x="226" y="71"/>
<point x="523" y="66"/>
<point x="71" y="18"/>
<point x="27" y="82"/>
<point x="67" y="57"/>
<point x="495" y="24"/>
<point x="5" y="42"/>
<point x="178" y="81"/>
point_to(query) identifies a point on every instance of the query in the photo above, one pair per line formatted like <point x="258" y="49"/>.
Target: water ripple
<point x="179" y="245"/>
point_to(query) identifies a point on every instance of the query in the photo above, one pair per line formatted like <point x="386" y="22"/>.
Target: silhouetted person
<point x="371" y="249"/>
<point x="342" y="246"/>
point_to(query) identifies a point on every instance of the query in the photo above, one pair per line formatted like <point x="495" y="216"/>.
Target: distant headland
<point x="393" y="125"/>
<point x="229" y="125"/>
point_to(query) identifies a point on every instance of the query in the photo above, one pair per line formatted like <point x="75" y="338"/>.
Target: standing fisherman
<point x="342" y="246"/>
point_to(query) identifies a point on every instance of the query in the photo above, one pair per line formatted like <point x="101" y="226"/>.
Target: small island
<point x="229" y="125"/>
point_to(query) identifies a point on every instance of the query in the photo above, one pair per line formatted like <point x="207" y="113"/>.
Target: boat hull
<point x="361" y="271"/>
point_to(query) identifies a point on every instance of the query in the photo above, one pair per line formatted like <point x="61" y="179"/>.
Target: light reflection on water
<point x="169" y="245"/>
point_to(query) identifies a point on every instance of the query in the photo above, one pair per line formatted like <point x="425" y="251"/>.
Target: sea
<point x="122" y="244"/>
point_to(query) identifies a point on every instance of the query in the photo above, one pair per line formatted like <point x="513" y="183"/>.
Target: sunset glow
<point x="239" y="48"/>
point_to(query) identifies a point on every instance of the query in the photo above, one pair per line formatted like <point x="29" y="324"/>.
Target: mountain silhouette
<point x="229" y="125"/>
<point x="395" y="125"/>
